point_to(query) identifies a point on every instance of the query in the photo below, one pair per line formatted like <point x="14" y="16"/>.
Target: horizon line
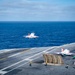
<point x="37" y="21"/>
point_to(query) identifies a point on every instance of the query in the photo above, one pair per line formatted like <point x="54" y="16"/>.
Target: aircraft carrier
<point x="30" y="61"/>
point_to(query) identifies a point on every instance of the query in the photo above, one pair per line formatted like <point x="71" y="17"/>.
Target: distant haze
<point x="37" y="10"/>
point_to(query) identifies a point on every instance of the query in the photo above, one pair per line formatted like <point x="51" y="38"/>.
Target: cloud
<point x="24" y="10"/>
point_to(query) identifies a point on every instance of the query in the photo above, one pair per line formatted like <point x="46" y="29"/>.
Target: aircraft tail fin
<point x="62" y="49"/>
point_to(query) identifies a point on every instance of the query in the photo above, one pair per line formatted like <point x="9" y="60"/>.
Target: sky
<point x="37" y="10"/>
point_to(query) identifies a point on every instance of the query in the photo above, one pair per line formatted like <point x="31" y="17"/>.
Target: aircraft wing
<point x="58" y="52"/>
<point x="69" y="54"/>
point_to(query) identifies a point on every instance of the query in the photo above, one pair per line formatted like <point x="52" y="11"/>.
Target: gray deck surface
<point x="16" y="62"/>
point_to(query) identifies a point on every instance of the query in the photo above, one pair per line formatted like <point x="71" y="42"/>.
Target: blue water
<point x="50" y="34"/>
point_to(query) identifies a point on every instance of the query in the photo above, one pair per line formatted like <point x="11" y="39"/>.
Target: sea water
<point x="50" y="34"/>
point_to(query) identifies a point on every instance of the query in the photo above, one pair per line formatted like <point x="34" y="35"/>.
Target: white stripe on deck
<point x="3" y="72"/>
<point x="14" y="55"/>
<point x="24" y="60"/>
<point x="18" y="53"/>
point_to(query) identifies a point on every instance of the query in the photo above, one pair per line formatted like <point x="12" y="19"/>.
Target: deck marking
<point x="19" y="53"/>
<point x="3" y="72"/>
<point x="14" y="54"/>
<point x="24" y="60"/>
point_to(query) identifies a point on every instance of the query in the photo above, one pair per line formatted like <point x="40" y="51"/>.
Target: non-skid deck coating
<point x="16" y="62"/>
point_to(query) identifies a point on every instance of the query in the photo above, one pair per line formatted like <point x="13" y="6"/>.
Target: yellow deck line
<point x="3" y="58"/>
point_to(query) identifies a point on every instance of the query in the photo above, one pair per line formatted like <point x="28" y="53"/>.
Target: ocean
<point x="50" y="34"/>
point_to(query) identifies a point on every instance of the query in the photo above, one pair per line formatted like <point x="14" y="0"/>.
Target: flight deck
<point x="30" y="61"/>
